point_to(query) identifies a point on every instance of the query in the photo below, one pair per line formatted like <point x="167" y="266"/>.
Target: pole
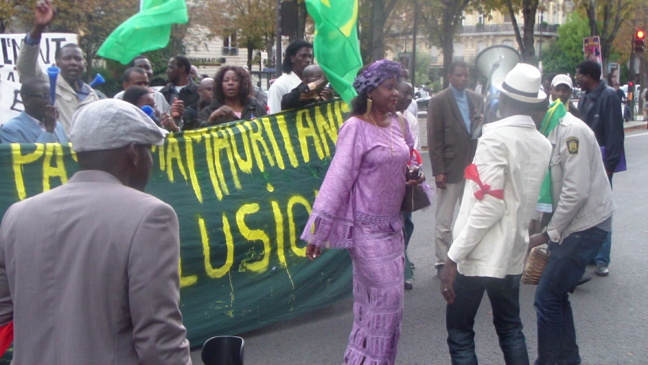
<point x="631" y="76"/>
<point x="413" y="70"/>
<point x="278" y="46"/>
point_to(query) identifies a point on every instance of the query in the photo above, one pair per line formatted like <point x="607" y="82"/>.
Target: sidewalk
<point x="422" y="117"/>
<point x="635" y="124"/>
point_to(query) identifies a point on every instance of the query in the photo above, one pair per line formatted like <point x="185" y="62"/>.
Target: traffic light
<point x="639" y="39"/>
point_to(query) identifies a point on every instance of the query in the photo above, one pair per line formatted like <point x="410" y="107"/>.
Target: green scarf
<point x="555" y="114"/>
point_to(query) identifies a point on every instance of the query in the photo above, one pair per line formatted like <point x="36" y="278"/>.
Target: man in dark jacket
<point x="600" y="109"/>
<point x="182" y="87"/>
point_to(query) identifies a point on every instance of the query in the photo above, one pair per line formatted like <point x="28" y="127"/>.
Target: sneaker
<point x="602" y="270"/>
<point x="409" y="285"/>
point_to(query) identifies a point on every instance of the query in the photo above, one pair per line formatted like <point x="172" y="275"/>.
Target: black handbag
<point x="415" y="197"/>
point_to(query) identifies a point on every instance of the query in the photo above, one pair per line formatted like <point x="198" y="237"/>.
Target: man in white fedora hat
<point x="491" y="237"/>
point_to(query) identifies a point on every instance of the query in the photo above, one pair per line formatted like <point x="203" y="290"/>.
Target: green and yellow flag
<point x="554" y="115"/>
<point x="147" y="30"/>
<point x="336" y="45"/>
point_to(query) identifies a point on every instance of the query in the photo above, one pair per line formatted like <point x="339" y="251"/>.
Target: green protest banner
<point x="242" y="192"/>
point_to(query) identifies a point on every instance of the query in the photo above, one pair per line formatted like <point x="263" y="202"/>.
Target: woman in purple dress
<point x="358" y="208"/>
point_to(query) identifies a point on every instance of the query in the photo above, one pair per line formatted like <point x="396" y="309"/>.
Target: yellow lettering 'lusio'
<point x="292" y="227"/>
<point x="186" y="280"/>
<point x="212" y="272"/>
<point x="253" y="235"/>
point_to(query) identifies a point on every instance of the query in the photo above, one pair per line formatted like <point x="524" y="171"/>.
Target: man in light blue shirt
<point x="37" y="124"/>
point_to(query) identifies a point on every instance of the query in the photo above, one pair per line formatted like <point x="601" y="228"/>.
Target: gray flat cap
<point x="112" y="123"/>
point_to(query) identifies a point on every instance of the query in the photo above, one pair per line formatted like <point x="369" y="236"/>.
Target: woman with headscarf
<point x="358" y="208"/>
<point x="233" y="98"/>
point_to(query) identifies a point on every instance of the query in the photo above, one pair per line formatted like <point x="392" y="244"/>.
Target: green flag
<point x="551" y="119"/>
<point x="336" y="45"/>
<point x="147" y="30"/>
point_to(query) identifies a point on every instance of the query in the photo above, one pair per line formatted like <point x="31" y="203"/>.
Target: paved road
<point x="611" y="313"/>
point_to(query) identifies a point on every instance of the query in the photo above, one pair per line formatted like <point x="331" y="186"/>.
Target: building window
<point x="230" y="45"/>
<point x="459" y="50"/>
<point x="480" y="18"/>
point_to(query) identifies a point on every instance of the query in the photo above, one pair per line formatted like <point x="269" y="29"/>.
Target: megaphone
<point x="494" y="63"/>
<point x="53" y="73"/>
<point x="148" y="110"/>
<point x="98" y="80"/>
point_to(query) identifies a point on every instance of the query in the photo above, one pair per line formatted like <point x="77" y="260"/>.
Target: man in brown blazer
<point x="453" y="127"/>
<point x="89" y="270"/>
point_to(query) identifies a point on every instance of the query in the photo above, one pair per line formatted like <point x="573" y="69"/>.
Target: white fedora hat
<point x="522" y="83"/>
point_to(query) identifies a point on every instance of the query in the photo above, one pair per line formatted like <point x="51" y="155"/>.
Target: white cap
<point x="112" y="123"/>
<point x="562" y="79"/>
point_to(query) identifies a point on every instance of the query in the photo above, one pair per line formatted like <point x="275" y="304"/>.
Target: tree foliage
<point x="253" y="21"/>
<point x="605" y="19"/>
<point x="442" y="19"/>
<point x="9" y="9"/>
<point x="525" y="33"/>
<point x="562" y="55"/>
<point x="372" y="19"/>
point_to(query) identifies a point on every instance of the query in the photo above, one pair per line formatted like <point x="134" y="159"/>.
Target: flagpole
<point x="278" y="46"/>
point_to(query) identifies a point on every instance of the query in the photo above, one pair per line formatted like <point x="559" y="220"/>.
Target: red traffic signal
<point x="639" y="41"/>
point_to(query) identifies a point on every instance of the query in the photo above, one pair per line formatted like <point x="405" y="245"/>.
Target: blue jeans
<point x="504" y="295"/>
<point x="408" y="229"/>
<point x="603" y="255"/>
<point x="566" y="265"/>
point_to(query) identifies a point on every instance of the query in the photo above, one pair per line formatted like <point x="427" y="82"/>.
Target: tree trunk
<point x="529" y="10"/>
<point x="378" y="32"/>
<point x="449" y="24"/>
<point x="447" y="45"/>
<point x="301" y="19"/>
<point x="250" y="53"/>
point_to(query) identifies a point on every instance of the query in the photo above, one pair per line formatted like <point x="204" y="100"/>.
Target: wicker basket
<point x="535" y="264"/>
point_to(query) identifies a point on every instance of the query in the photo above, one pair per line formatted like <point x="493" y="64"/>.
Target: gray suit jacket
<point x="22" y="129"/>
<point x="450" y="145"/>
<point x="89" y="275"/>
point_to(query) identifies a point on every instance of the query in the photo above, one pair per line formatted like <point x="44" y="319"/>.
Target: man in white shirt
<point x="487" y="254"/>
<point x="299" y="54"/>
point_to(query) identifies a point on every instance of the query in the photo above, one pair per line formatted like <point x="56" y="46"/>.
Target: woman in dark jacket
<point x="233" y="98"/>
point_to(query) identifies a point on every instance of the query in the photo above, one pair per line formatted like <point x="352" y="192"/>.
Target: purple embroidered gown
<point x="358" y="208"/>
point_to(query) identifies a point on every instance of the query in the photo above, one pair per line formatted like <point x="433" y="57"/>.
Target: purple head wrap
<point x="376" y="74"/>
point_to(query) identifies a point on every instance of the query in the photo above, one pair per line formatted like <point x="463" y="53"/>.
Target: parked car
<point x="422" y="98"/>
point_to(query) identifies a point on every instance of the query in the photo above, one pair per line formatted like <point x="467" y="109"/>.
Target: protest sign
<point x="243" y="192"/>
<point x="10" y="103"/>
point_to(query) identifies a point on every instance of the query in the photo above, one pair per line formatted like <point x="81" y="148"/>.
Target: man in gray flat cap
<point x="97" y="282"/>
